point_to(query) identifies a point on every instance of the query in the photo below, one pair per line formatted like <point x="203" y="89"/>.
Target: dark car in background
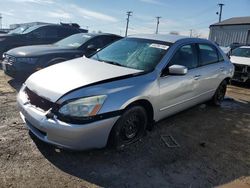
<point x="25" y="60"/>
<point x="39" y="34"/>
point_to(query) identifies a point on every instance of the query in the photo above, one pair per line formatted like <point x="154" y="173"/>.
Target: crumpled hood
<point x="240" y="60"/>
<point x="55" y="81"/>
<point x="36" y="50"/>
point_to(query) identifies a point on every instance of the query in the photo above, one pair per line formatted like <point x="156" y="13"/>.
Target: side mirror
<point x="92" y="47"/>
<point x="177" y="70"/>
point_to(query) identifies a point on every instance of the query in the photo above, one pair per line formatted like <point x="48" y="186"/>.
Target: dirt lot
<point x="214" y="150"/>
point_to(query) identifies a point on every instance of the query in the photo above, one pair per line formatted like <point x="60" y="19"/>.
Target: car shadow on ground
<point x="241" y="84"/>
<point x="16" y="83"/>
<point x="213" y="150"/>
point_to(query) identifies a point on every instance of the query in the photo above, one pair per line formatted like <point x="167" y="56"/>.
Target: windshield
<point x="241" y="52"/>
<point x="74" y="41"/>
<point x="32" y="28"/>
<point x="18" y="30"/>
<point x="141" y="54"/>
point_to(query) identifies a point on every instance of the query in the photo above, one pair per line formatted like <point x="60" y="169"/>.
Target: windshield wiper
<point x="113" y="63"/>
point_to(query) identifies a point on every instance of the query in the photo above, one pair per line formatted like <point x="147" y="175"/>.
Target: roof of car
<point x="166" y="37"/>
<point x="97" y="34"/>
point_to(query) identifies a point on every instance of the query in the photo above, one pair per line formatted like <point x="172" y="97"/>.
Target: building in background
<point x="233" y="30"/>
<point x="14" y="26"/>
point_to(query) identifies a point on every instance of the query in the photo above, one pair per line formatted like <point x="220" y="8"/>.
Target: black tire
<point x="129" y="128"/>
<point x="219" y="94"/>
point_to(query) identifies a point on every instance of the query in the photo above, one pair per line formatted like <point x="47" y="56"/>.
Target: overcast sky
<point x="110" y="15"/>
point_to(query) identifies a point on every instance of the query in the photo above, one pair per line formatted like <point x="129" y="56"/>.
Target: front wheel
<point x="129" y="128"/>
<point x="219" y="94"/>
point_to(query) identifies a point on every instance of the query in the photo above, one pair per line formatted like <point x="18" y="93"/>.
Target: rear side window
<point x="207" y="54"/>
<point x="65" y="32"/>
<point x="221" y="58"/>
<point x="185" y="56"/>
<point x="46" y="32"/>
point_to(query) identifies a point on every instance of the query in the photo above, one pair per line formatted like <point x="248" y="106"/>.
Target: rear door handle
<point x="197" y="77"/>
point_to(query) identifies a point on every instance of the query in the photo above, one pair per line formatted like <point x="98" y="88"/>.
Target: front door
<point x="177" y="91"/>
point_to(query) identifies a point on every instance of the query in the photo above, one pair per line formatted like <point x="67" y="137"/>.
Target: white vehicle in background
<point x="226" y="50"/>
<point x="240" y="57"/>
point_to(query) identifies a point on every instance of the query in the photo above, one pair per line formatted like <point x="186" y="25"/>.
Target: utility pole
<point x="157" y="24"/>
<point x="1" y="21"/>
<point x="129" y="13"/>
<point x="220" y="13"/>
<point x="191" y="32"/>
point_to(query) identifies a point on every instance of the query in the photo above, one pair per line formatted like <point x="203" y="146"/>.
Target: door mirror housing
<point x="92" y="47"/>
<point x="177" y="70"/>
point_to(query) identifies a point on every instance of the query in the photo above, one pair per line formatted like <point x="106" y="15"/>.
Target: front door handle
<point x="222" y="69"/>
<point x="197" y="77"/>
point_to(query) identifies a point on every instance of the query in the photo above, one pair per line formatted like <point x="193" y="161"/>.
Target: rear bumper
<point x="66" y="135"/>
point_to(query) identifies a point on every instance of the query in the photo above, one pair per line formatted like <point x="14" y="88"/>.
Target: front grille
<point x="38" y="101"/>
<point x="238" y="68"/>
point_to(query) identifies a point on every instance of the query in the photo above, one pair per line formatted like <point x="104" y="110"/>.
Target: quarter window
<point x="185" y="56"/>
<point x="208" y="54"/>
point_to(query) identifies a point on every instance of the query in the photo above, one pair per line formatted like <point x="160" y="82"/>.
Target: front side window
<point x="18" y="30"/>
<point x="208" y="54"/>
<point x="141" y="54"/>
<point x="185" y="56"/>
<point x="241" y="52"/>
<point x="74" y="41"/>
<point x="31" y="29"/>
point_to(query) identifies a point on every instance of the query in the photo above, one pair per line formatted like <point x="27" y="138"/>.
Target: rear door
<point x="177" y="92"/>
<point x="45" y="35"/>
<point x="211" y="68"/>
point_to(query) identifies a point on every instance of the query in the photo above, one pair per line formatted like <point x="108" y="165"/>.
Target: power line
<point x="157" y="24"/>
<point x="129" y="13"/>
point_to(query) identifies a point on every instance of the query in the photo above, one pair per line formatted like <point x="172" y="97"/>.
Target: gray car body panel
<point x="167" y="94"/>
<point x="40" y="50"/>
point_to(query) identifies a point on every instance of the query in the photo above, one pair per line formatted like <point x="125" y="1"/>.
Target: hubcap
<point x="131" y="127"/>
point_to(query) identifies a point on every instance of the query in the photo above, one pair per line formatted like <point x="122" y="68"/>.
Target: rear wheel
<point x="129" y="128"/>
<point x="219" y="94"/>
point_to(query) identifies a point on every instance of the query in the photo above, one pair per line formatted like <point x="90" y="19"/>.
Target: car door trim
<point x="184" y="101"/>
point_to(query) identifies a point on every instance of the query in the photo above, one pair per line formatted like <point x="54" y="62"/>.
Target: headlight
<point x="83" y="107"/>
<point x="28" y="60"/>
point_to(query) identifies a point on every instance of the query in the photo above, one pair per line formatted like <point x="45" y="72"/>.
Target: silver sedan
<point x="115" y="95"/>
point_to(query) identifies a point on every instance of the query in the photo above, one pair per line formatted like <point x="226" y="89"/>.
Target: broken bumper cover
<point x="242" y="73"/>
<point x="61" y="134"/>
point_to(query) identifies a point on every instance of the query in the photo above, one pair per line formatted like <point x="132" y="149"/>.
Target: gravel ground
<point x="214" y="150"/>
